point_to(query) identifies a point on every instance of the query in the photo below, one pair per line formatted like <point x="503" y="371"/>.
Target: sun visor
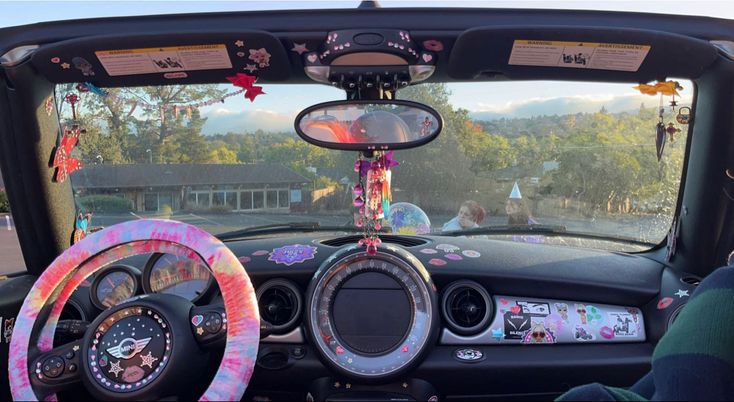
<point x="578" y="53"/>
<point x="135" y="60"/>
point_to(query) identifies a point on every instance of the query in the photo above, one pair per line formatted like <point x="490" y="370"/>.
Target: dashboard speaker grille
<point x="467" y="307"/>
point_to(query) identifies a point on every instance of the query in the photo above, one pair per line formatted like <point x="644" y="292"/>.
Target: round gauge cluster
<point x="114" y="285"/>
<point x="372" y="316"/>
<point x="177" y="275"/>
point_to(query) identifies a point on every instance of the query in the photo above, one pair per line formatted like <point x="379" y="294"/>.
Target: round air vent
<point x="692" y="280"/>
<point x="280" y="304"/>
<point x="466" y="307"/>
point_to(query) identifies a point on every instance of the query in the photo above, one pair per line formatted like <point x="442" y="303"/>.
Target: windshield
<point x="577" y="155"/>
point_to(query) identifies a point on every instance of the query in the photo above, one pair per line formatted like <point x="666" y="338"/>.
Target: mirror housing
<point x="369" y="125"/>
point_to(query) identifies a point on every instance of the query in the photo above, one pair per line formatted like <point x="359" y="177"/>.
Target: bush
<point x="4" y="204"/>
<point x="220" y="209"/>
<point x="105" y="203"/>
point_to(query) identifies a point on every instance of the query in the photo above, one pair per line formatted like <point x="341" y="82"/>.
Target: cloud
<point x="564" y="105"/>
<point x="222" y="121"/>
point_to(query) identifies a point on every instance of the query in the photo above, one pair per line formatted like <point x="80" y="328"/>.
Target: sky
<point x="276" y="109"/>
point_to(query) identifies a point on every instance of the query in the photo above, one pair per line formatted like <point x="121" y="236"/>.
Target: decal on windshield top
<point x="597" y="56"/>
<point x="164" y="59"/>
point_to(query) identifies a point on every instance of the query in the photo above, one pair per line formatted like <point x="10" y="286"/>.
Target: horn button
<point x="129" y="349"/>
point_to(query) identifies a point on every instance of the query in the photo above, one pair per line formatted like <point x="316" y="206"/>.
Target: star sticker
<point x="75" y="348"/>
<point x="253" y="92"/>
<point x="299" y="48"/>
<point x="250" y="67"/>
<point x="148" y="360"/>
<point x="680" y="293"/>
<point x="115" y="368"/>
<point x="239" y="43"/>
<point x="200" y="331"/>
<point x="65" y="66"/>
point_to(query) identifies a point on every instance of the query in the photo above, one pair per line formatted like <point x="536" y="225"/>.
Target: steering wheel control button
<point x="468" y="355"/>
<point x="71" y="368"/>
<point x="69" y="355"/>
<point x="53" y="367"/>
<point x="298" y="352"/>
<point x="213" y="323"/>
<point x="129" y="349"/>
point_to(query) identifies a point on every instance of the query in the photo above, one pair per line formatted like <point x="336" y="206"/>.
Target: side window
<point x="11" y="258"/>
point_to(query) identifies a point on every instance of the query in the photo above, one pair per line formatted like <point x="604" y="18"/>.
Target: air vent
<point x="72" y="311"/>
<point x="280" y="302"/>
<point x="692" y="280"/>
<point x="466" y="307"/>
<point x="399" y="240"/>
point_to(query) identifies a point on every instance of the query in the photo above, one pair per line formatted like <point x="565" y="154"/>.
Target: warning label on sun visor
<point x="164" y="59"/>
<point x="598" y="56"/>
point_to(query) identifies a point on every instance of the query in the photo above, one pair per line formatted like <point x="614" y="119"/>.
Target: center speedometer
<point x="372" y="316"/>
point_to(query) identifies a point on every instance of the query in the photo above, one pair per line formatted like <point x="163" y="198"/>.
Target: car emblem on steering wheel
<point x="128" y="348"/>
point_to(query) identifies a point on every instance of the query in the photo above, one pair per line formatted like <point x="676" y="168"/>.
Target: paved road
<point x="644" y="227"/>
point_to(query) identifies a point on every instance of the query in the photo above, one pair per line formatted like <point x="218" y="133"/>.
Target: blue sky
<point x="276" y="109"/>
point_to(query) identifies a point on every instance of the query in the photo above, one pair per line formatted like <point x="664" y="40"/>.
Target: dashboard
<point x="455" y="318"/>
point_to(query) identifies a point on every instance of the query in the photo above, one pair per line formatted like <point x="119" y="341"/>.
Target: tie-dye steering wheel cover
<point x="138" y="237"/>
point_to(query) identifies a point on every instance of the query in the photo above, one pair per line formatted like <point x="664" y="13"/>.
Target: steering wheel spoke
<point x="57" y="369"/>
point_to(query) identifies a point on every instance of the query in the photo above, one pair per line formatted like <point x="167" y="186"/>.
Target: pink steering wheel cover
<point x="243" y="321"/>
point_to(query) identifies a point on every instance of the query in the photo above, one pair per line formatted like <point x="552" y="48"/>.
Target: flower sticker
<point x="293" y="254"/>
<point x="260" y="56"/>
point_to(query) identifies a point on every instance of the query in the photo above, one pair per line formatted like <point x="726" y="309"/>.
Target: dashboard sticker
<point x="497" y="333"/>
<point x="681" y="293"/>
<point x="428" y="251"/>
<point x="447" y="248"/>
<point x="244" y="259"/>
<point x="259" y="253"/>
<point x="293" y="254"/>
<point x="664" y="303"/>
<point x="437" y="262"/>
<point x="623" y="324"/>
<point x="582" y="334"/>
<point x="538" y="333"/>
<point x="534" y="309"/>
<point x="606" y="332"/>
<point x="581" y="311"/>
<point x="453" y="257"/>
<point x="593" y="315"/>
<point x="516" y="325"/>
<point x="562" y="310"/>
<point x="471" y="253"/>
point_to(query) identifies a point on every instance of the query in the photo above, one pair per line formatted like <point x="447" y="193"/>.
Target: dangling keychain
<point x="660" y="132"/>
<point x="372" y="196"/>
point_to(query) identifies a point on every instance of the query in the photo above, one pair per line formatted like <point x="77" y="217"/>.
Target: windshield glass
<point x="577" y="155"/>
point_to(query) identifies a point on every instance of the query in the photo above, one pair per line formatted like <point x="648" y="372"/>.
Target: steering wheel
<point x="148" y="347"/>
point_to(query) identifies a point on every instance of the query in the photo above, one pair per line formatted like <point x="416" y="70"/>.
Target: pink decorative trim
<point x="64" y="275"/>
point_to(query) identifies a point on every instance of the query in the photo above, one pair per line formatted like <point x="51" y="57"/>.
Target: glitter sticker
<point x="292" y="254"/>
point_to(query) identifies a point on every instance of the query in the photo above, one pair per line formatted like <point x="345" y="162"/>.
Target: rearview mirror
<point x="366" y="125"/>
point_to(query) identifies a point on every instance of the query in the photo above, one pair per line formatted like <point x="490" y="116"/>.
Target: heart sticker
<point x="197" y="319"/>
<point x="427" y="57"/>
<point x="312" y="57"/>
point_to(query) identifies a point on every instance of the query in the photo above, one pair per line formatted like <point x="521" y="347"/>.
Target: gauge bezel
<point x="422" y="332"/>
<point x="148" y="289"/>
<point x="130" y="270"/>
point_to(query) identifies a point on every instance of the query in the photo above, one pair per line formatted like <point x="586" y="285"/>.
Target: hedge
<point x="105" y="203"/>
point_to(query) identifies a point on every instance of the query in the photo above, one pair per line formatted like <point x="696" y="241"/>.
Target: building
<point x="156" y="187"/>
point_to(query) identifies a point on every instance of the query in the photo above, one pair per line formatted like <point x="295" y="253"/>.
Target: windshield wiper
<point x="546" y="230"/>
<point x="283" y="228"/>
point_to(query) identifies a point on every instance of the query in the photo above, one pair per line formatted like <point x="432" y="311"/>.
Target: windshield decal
<point x="293" y="254"/>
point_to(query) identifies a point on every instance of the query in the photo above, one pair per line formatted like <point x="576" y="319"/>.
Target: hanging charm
<point x="373" y="196"/>
<point x="64" y="163"/>
<point x="684" y="115"/>
<point x="81" y="227"/>
<point x="660" y="133"/>
<point x="672" y="130"/>
<point x="72" y="98"/>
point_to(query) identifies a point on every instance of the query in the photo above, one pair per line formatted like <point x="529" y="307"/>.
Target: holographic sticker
<point x="664" y="303"/>
<point x="197" y="319"/>
<point x="447" y="248"/>
<point x="437" y="262"/>
<point x="293" y="254"/>
<point x="606" y="332"/>
<point x="428" y="251"/>
<point x="454" y="257"/>
<point x="259" y="253"/>
<point x="471" y="253"/>
<point x="538" y="333"/>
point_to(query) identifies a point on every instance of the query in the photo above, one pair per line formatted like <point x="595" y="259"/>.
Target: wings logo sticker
<point x="128" y="348"/>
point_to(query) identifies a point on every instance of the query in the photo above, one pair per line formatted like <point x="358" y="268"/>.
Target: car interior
<point x="307" y="311"/>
